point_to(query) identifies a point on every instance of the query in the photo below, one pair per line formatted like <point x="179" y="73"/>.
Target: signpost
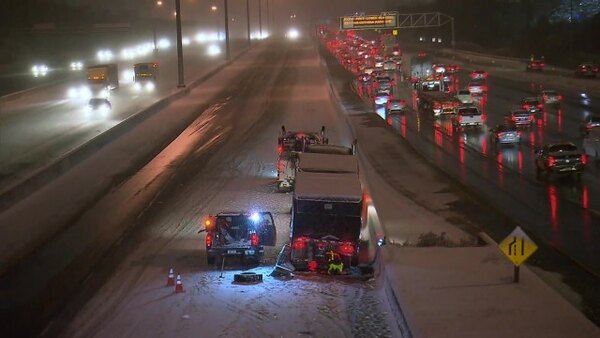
<point x="517" y="247"/>
<point x="377" y="21"/>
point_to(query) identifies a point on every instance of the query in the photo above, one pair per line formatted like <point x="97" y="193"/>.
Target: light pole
<point x="214" y="9"/>
<point x="180" y="83"/>
<point x="268" y="18"/>
<point x="248" y="21"/>
<point x="227" y="51"/>
<point x="260" y="19"/>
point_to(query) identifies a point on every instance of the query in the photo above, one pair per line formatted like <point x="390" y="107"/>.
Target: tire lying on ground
<point x="247" y="277"/>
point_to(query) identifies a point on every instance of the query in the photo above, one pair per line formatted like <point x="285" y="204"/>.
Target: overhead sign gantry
<point x="376" y="21"/>
<point x="394" y="20"/>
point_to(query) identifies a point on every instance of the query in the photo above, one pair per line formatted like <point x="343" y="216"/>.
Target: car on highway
<point x="550" y="97"/>
<point x="397" y="60"/>
<point x="591" y="145"/>
<point x="532" y="104"/>
<point x="379" y="62"/>
<point x="560" y="159"/>
<point x="368" y="70"/>
<point x="364" y="77"/>
<point x="99" y="106"/>
<point x="238" y="234"/>
<point x="382" y="97"/>
<point x="395" y="105"/>
<point x="467" y="115"/>
<point x="535" y="66"/>
<point x="464" y="96"/>
<point x="383" y="83"/>
<point x="389" y="65"/>
<point x="587" y="69"/>
<point x="477" y="87"/>
<point x="479" y="74"/>
<point x="505" y="134"/>
<point x="592" y="123"/>
<point x="452" y="68"/>
<point x="519" y="118"/>
<point x="438" y="68"/>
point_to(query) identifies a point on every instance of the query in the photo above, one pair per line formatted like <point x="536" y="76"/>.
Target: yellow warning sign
<point x="517" y="246"/>
<point x="395" y="32"/>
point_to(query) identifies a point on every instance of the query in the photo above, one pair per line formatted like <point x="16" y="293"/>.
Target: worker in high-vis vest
<point x="335" y="263"/>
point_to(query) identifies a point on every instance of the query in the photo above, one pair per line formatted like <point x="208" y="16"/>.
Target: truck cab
<point x="145" y="75"/>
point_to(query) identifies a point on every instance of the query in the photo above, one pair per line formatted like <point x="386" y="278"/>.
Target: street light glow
<point x="213" y="8"/>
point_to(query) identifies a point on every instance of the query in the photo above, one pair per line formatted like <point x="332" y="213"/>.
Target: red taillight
<point x="540" y="106"/>
<point x="551" y="161"/>
<point x="209" y="240"/>
<point x="460" y="118"/>
<point x="583" y="159"/>
<point x="525" y="107"/>
<point x="545" y="97"/>
<point x="483" y="118"/>
<point x="280" y="166"/>
<point x="560" y="97"/>
<point x="531" y="117"/>
<point x="254" y="240"/>
<point x="437" y="105"/>
<point x="299" y="243"/>
<point x="542" y="65"/>
<point x="346" y="249"/>
<point x="279" y="149"/>
<point x="514" y="119"/>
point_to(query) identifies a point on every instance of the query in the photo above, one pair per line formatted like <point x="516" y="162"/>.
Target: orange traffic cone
<point x="178" y="285"/>
<point x="171" y="278"/>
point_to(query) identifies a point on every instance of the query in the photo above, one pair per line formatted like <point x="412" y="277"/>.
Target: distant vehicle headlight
<point x="137" y="86"/>
<point x="150" y="86"/>
<point x="293" y="34"/>
<point x="39" y="70"/>
<point x="213" y="50"/>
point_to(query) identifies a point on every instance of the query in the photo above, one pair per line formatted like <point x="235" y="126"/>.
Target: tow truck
<point x="289" y="145"/>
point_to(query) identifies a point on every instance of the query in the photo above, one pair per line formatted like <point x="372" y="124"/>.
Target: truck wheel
<point x="248" y="277"/>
